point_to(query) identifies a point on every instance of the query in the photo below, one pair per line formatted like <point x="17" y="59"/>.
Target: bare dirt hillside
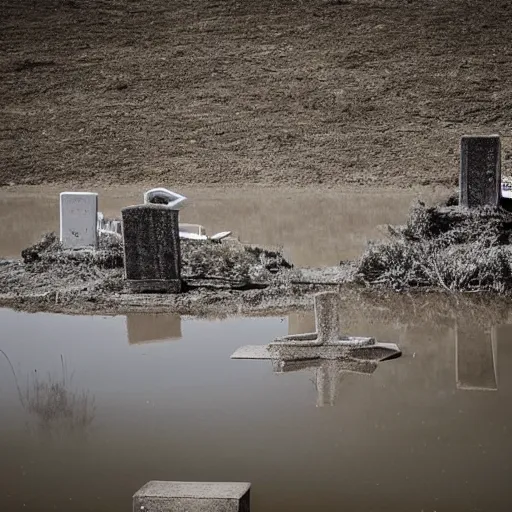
<point x="241" y="91"/>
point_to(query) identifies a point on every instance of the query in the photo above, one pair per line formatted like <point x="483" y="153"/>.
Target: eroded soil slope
<point x="235" y="92"/>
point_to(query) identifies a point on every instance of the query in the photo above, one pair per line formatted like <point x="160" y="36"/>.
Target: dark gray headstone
<point x="152" y="255"/>
<point x="480" y="171"/>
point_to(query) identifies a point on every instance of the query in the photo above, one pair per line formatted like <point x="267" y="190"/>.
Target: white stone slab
<point x="78" y="219"/>
<point x="252" y="352"/>
<point x="158" y="496"/>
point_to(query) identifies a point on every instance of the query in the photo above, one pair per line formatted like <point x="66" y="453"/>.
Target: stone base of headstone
<point x="193" y="497"/>
<point x="154" y="286"/>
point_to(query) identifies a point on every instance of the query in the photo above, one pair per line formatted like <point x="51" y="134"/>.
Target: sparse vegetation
<point x="444" y="247"/>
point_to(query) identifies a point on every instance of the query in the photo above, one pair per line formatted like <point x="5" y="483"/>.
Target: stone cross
<point x="480" y="171"/>
<point x="324" y="343"/>
<point x="152" y="252"/>
<point x="158" y="496"/>
<point x="78" y="220"/>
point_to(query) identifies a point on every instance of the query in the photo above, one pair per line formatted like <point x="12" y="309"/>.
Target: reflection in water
<point x="476" y="358"/>
<point x="328" y="374"/>
<point x="476" y="351"/>
<point x="404" y="426"/>
<point x="53" y="402"/>
<point x="147" y="328"/>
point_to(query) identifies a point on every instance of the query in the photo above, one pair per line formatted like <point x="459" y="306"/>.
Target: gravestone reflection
<point x="149" y="328"/>
<point x="324" y="350"/>
<point x="476" y="358"/>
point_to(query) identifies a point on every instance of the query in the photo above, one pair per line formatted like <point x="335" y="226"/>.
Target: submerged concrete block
<point x="480" y="171"/>
<point x="152" y="253"/>
<point x="158" y="496"/>
<point x="78" y="219"/>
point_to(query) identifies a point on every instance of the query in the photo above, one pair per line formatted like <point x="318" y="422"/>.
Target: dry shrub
<point x="229" y="260"/>
<point x="453" y="248"/>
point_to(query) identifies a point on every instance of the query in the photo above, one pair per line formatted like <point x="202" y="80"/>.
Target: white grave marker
<point x="78" y="219"/>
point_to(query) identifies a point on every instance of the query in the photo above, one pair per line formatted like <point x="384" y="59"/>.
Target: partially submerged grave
<point x="325" y="343"/>
<point x="326" y="351"/>
<point x="49" y="271"/>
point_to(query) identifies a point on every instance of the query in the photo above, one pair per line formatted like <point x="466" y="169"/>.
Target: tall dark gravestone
<point x="480" y="171"/>
<point x="152" y="254"/>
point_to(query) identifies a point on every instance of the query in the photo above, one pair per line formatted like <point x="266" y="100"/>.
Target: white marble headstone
<point x="78" y="219"/>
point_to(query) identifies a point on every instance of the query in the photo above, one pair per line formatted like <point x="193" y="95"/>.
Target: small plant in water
<point x="53" y="402"/>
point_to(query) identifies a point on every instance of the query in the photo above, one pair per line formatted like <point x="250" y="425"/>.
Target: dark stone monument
<point x="152" y="255"/>
<point x="480" y="171"/>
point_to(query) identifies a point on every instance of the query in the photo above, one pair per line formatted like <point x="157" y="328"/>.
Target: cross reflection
<point x="328" y="374"/>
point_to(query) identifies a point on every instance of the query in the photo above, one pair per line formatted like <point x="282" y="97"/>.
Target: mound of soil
<point x="47" y="266"/>
<point x="184" y="92"/>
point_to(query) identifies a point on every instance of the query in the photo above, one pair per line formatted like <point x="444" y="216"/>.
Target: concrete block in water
<point x="480" y="171"/>
<point x="158" y="496"/>
<point x="152" y="253"/>
<point x="78" y="219"/>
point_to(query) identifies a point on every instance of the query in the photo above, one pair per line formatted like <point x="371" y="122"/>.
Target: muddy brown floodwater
<point x="315" y="227"/>
<point x="92" y="407"/>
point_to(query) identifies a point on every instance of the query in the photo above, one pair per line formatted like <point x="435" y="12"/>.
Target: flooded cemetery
<point x="255" y="256"/>
<point x="305" y="345"/>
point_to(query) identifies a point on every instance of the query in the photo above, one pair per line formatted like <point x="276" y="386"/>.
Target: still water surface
<point x="145" y="397"/>
<point x="429" y="431"/>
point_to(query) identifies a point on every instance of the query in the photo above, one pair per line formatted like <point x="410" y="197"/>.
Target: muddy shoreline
<point x="441" y="248"/>
<point x="289" y="290"/>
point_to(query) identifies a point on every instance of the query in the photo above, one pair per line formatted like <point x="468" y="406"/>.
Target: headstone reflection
<point x="148" y="328"/>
